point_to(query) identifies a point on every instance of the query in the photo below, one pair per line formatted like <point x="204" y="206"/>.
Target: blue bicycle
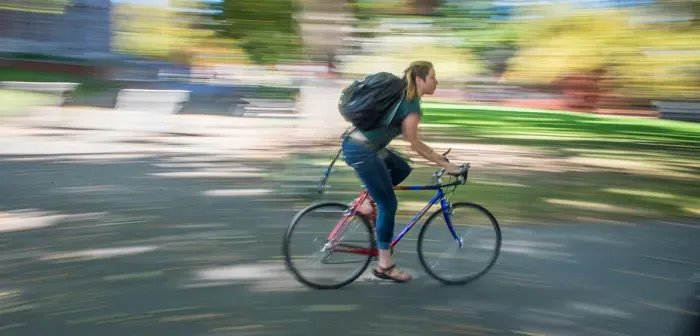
<point x="340" y="243"/>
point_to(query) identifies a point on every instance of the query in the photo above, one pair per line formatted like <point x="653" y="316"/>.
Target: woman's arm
<point x="410" y="134"/>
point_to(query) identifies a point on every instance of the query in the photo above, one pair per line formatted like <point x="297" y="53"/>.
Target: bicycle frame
<point x="339" y="229"/>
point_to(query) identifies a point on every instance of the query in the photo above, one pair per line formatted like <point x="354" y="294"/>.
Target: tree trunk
<point x="425" y="7"/>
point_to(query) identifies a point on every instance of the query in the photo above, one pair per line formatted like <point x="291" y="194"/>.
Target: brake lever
<point x="444" y="155"/>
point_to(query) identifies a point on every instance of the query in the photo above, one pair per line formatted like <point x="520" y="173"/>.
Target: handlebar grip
<point x="463" y="170"/>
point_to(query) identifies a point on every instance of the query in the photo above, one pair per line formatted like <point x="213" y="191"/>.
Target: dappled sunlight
<point x="448" y="138"/>
<point x="264" y="277"/>
<point x="99" y="253"/>
<point x="467" y="148"/>
<point x="640" y="193"/>
<point x="599" y="206"/>
<point x="61" y="139"/>
<point x="414" y="207"/>
<point x="557" y="137"/>
<point x="597" y="218"/>
<point x="600" y="151"/>
<point x="498" y="183"/>
<point x="31" y="219"/>
<point x="222" y="173"/>
<point x="236" y="192"/>
<point x="641" y="167"/>
<point x="105" y="157"/>
<point x="93" y="189"/>
<point x="186" y="165"/>
<point x="317" y="163"/>
<point x="78" y="157"/>
<point x="688" y="164"/>
<point x="694" y="211"/>
<point x="6" y="294"/>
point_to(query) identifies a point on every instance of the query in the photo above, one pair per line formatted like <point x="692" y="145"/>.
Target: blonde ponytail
<point x="416" y="69"/>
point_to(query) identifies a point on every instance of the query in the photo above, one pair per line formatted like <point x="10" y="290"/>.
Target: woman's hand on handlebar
<point x="452" y="168"/>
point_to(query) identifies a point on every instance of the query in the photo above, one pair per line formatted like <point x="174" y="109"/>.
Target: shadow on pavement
<point x="113" y="245"/>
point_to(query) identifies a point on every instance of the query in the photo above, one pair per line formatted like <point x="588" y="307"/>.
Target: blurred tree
<point x="451" y="63"/>
<point x="425" y="7"/>
<point x="36" y="6"/>
<point x="646" y="55"/>
<point x="375" y="8"/>
<point x="482" y="31"/>
<point x="266" y="30"/>
<point x="160" y="32"/>
<point x="681" y="8"/>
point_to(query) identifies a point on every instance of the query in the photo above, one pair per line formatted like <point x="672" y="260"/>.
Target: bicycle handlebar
<point x="461" y="175"/>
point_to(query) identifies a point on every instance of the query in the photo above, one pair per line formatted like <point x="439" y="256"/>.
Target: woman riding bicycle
<point x="380" y="169"/>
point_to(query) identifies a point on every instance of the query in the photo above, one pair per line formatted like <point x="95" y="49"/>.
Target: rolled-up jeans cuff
<point x="383" y="246"/>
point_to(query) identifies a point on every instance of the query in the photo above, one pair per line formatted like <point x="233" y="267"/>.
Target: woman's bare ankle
<point x="365" y="207"/>
<point x="384" y="260"/>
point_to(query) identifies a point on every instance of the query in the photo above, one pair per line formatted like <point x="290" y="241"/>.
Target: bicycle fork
<point x="447" y="212"/>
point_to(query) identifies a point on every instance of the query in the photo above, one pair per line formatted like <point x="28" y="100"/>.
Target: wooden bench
<point x="148" y="110"/>
<point x="278" y="108"/>
<point x="678" y="110"/>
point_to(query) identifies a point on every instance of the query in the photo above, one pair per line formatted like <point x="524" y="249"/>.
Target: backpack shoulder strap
<point x="327" y="172"/>
<point x="391" y="115"/>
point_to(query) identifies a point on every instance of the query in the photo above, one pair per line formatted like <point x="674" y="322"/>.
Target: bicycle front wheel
<point x="475" y="250"/>
<point x="328" y="264"/>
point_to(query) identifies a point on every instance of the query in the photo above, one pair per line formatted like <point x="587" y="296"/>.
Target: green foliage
<point x="265" y="30"/>
<point x="35" y="6"/>
<point x="450" y="63"/>
<point x="467" y="12"/>
<point x="17" y="101"/>
<point x="366" y="9"/>
<point x="649" y="60"/>
<point x="168" y="33"/>
<point x="491" y="40"/>
<point x="495" y="42"/>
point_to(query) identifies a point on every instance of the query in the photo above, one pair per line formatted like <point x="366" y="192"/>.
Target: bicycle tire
<point x="286" y="249"/>
<point x="472" y="277"/>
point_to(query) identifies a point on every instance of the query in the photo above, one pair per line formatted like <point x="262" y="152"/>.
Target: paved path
<point x="167" y="240"/>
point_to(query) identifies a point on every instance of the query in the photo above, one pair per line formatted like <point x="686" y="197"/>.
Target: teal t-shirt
<point x="382" y="136"/>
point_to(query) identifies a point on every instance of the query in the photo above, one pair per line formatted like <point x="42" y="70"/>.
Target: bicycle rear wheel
<point x="484" y="236"/>
<point x="357" y="236"/>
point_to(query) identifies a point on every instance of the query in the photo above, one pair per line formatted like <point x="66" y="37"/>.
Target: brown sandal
<point x="383" y="274"/>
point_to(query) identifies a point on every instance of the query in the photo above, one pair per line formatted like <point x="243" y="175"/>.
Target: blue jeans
<point x="379" y="171"/>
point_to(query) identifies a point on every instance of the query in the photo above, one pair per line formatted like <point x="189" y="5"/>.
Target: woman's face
<point x="428" y="85"/>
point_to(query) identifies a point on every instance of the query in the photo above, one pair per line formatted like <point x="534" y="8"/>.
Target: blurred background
<point x="149" y="142"/>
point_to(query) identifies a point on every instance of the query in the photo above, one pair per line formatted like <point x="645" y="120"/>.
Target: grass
<point x="14" y="101"/>
<point x="555" y="129"/>
<point x="42" y="57"/>
<point x="556" y="167"/>
<point x="87" y="87"/>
